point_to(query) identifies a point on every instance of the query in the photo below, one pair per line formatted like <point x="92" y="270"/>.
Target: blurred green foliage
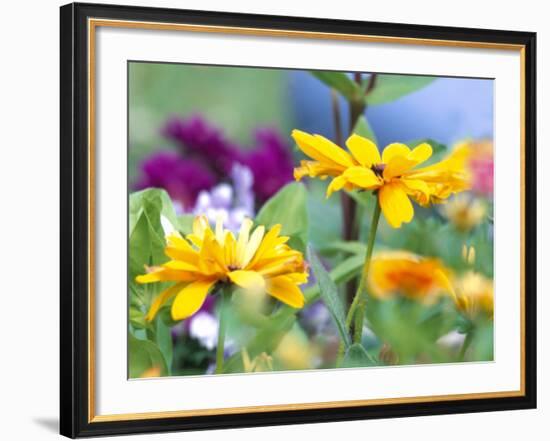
<point x="238" y="100"/>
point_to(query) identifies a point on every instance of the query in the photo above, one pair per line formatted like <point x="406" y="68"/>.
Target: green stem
<point x="350" y="209"/>
<point x="360" y="299"/>
<point x="467" y="341"/>
<point x="221" y="332"/>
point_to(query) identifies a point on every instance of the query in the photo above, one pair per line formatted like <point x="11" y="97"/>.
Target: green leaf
<point x="341" y="273"/>
<point x="329" y="294"/>
<point x="363" y="128"/>
<point x="143" y="355"/>
<point x="350" y="247"/>
<point x="288" y="208"/>
<point x="146" y="241"/>
<point x="146" y="246"/>
<point x="482" y="345"/>
<point x="340" y="82"/>
<point x="357" y="356"/>
<point x="411" y="328"/>
<point x="137" y="318"/>
<point x="268" y="338"/>
<point x="157" y="202"/>
<point x="391" y="87"/>
<point x="149" y="210"/>
<point x="185" y="223"/>
<point x="163" y="337"/>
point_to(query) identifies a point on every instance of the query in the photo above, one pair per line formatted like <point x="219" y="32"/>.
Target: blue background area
<point x="447" y="110"/>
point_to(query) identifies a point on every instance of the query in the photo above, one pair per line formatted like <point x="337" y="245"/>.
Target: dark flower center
<point x="378" y="169"/>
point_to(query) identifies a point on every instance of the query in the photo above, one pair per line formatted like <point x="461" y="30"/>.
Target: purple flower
<point x="206" y="157"/>
<point x="182" y="179"/>
<point x="270" y="162"/>
<point x="198" y="140"/>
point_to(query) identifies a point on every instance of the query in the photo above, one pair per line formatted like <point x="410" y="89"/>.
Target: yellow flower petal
<point x="474" y="294"/>
<point x="445" y="177"/>
<point x="269" y="241"/>
<point x="161" y="299"/>
<point x="297" y="278"/>
<point x="321" y="149"/>
<point x="283" y="289"/>
<point x="252" y="245"/>
<point x="335" y="185"/>
<point x="242" y="240"/>
<point x="395" y="204"/>
<point x="190" y="299"/>
<point x="161" y="274"/>
<point x="421" y="153"/>
<point x="180" y="254"/>
<point x="314" y="168"/>
<point x="418" y="189"/>
<point x="393" y="150"/>
<point x="176" y="241"/>
<point x="200" y="225"/>
<point x="179" y="265"/>
<point x="279" y="260"/>
<point x="444" y="281"/>
<point x="194" y="239"/>
<point x="154" y="276"/>
<point x="399" y="164"/>
<point x="363" y="150"/>
<point x="455" y="162"/>
<point x="249" y="280"/>
<point x="212" y="255"/>
<point x="219" y="230"/>
<point x="230" y="248"/>
<point x="362" y="177"/>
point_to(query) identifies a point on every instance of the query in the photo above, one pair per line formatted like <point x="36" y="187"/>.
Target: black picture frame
<point x="74" y="221"/>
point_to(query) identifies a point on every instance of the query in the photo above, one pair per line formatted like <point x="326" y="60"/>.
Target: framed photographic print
<point x="273" y="220"/>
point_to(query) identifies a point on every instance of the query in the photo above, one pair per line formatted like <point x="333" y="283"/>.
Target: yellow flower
<point x="474" y="294"/>
<point x="469" y="254"/>
<point x="261" y="363"/>
<point x="464" y="213"/>
<point x="407" y="274"/>
<point x="256" y="261"/>
<point x="295" y="351"/>
<point x="393" y="175"/>
<point x="152" y="372"/>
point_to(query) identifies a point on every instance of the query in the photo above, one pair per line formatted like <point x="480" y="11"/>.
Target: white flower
<point x="232" y="204"/>
<point x="222" y="195"/>
<point x="204" y="327"/>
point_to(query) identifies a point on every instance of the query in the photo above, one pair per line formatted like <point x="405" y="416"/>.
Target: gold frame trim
<point x="92" y="25"/>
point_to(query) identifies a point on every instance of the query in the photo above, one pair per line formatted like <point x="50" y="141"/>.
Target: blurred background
<point x="447" y="110"/>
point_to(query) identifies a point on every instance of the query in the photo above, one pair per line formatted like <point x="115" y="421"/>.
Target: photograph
<point x="294" y="219"/>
